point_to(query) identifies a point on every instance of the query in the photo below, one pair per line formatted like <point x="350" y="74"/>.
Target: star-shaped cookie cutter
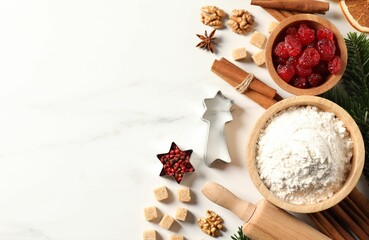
<point x="176" y="163"/>
<point x="217" y="114"/>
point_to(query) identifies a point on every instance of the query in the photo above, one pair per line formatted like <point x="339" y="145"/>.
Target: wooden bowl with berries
<point x="306" y="55"/>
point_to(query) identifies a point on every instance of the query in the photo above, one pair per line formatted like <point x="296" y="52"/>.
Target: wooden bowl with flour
<point x="256" y="166"/>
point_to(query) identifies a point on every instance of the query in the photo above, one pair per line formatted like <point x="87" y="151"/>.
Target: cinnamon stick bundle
<point x="347" y="219"/>
<point x="258" y="91"/>
<point x="349" y="222"/>
<point x="310" y="6"/>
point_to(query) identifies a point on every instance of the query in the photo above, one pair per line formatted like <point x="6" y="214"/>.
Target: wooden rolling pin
<point x="263" y="220"/>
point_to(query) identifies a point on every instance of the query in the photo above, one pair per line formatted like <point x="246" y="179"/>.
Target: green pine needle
<point x="353" y="92"/>
<point x="239" y="235"/>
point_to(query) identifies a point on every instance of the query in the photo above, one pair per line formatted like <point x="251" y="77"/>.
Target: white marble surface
<point x="91" y="91"/>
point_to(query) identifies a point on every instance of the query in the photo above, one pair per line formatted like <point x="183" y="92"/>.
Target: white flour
<point x="303" y="154"/>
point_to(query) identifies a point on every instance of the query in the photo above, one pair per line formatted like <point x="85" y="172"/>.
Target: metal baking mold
<point x="217" y="114"/>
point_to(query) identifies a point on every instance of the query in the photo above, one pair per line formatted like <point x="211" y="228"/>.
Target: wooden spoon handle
<point x="223" y="197"/>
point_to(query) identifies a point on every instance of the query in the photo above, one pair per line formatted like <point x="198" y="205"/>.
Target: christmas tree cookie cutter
<point x="217" y="114"/>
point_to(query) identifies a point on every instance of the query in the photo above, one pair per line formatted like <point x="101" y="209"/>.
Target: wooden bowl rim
<point x="357" y="161"/>
<point x="332" y="80"/>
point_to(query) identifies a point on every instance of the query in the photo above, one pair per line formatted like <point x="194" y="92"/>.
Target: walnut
<point x="241" y="21"/>
<point x="212" y="224"/>
<point x="212" y="16"/>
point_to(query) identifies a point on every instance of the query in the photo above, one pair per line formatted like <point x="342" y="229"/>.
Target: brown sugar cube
<point x="161" y="193"/>
<point x="150" y="213"/>
<point x="259" y="58"/>
<point x="272" y="26"/>
<point x="258" y="39"/>
<point x="149" y="235"/>
<point x="184" y="194"/>
<point x="239" y="54"/>
<point x="176" y="237"/>
<point x="166" y="222"/>
<point x="181" y="214"/>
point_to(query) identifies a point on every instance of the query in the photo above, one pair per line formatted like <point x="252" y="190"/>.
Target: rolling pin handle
<point x="223" y="197"/>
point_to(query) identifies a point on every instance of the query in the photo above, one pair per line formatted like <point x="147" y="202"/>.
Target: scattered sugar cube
<point x="161" y="193"/>
<point x="272" y="26"/>
<point x="258" y="39"/>
<point x="176" y="237"/>
<point x="181" y="214"/>
<point x="166" y="222"/>
<point x="184" y="194"/>
<point x="259" y="58"/>
<point x="149" y="235"/>
<point x="239" y="54"/>
<point x="150" y="213"/>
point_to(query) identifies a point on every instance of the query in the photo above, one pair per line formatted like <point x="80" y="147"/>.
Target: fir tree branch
<point x="239" y="235"/>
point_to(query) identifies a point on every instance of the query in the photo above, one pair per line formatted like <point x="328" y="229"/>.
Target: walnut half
<point x="212" y="16"/>
<point x="241" y="21"/>
<point x="212" y="224"/>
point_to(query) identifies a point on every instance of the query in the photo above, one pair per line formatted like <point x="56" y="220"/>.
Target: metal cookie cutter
<point x="217" y="114"/>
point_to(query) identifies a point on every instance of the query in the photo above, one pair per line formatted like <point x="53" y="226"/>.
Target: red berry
<point x="311" y="45"/>
<point x="334" y="66"/>
<point x="324" y="33"/>
<point x="292" y="60"/>
<point x="309" y="58"/>
<point x="280" y="50"/>
<point x="286" y="72"/>
<point x="326" y="49"/>
<point x="321" y="68"/>
<point x="315" y="80"/>
<point x="300" y="82"/>
<point x="293" y="45"/>
<point x="302" y="72"/>
<point x="279" y="60"/>
<point x="305" y="34"/>
<point x="291" y="31"/>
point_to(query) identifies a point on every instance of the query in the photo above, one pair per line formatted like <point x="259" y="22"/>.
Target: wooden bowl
<point x="357" y="161"/>
<point x="277" y="35"/>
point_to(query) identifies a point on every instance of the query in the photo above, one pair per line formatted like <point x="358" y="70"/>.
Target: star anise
<point x="207" y="42"/>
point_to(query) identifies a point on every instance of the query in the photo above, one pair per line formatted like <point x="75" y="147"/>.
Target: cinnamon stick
<point x="318" y="225"/>
<point x="356" y="208"/>
<point x="260" y="99"/>
<point x="345" y="234"/>
<point x="345" y="219"/>
<point x="332" y="231"/>
<point x="286" y="13"/>
<point x="310" y="6"/>
<point x="354" y="216"/>
<point x="360" y="200"/>
<point x="238" y="75"/>
<point x="275" y="13"/>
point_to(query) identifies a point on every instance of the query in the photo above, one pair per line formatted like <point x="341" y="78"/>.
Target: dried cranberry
<point x="326" y="49"/>
<point x="311" y="45"/>
<point x="305" y="34"/>
<point x="324" y="32"/>
<point x="334" y="66"/>
<point x="300" y="82"/>
<point x="302" y="72"/>
<point x="292" y="60"/>
<point x="293" y="45"/>
<point x="315" y="80"/>
<point x="279" y="60"/>
<point x="291" y="31"/>
<point x="309" y="58"/>
<point x="281" y="50"/>
<point x="321" y="68"/>
<point x="286" y="72"/>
